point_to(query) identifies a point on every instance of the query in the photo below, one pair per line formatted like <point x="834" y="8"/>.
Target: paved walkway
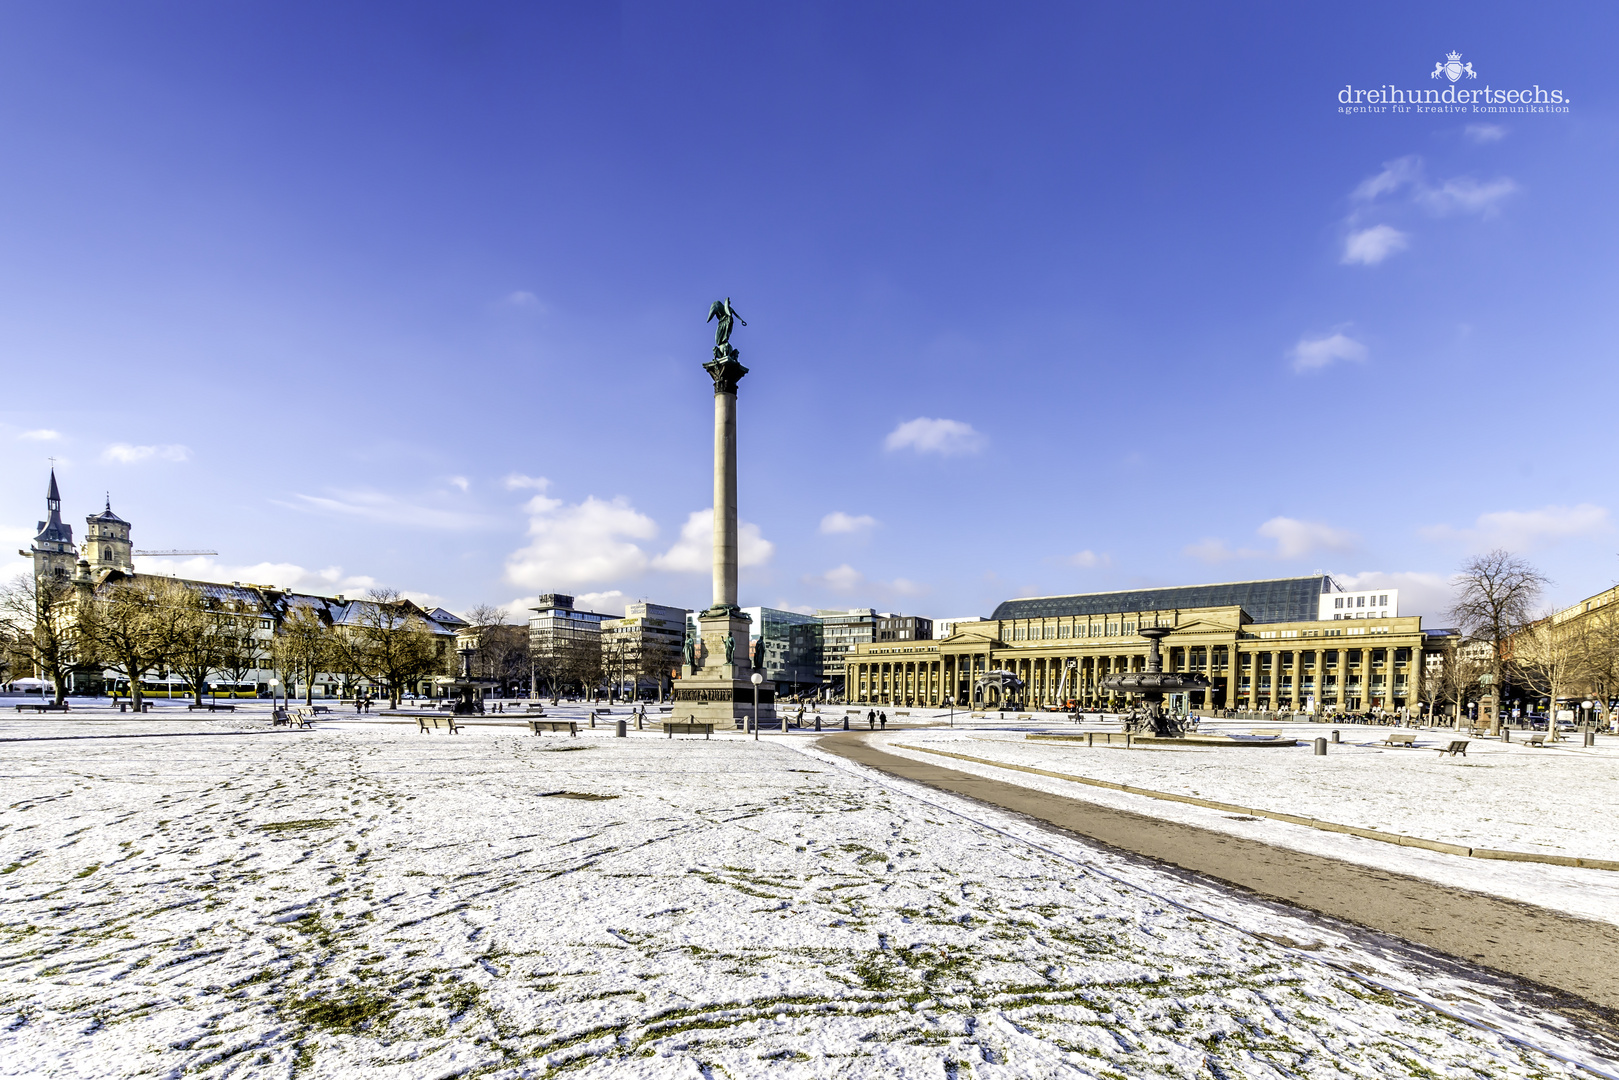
<point x="1574" y="955"/>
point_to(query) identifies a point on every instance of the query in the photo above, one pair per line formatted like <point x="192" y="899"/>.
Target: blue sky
<point x="1041" y="298"/>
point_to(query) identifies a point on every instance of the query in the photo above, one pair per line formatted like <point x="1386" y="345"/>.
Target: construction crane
<point x="164" y="553"/>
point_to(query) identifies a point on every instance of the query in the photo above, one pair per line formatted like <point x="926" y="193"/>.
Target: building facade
<point x="1064" y="647"/>
<point x="893" y="627"/>
<point x="1372" y="604"/>
<point x="841" y="631"/>
<point x="565" y="644"/>
<point x="256" y="614"/>
<point x="646" y="643"/>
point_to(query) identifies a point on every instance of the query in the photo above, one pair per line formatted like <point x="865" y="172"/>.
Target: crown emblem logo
<point x="1452" y="68"/>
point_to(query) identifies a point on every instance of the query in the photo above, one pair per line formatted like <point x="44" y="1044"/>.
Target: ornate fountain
<point x="1151" y="685"/>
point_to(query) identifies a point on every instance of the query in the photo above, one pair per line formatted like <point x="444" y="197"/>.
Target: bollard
<point x="1334" y="734"/>
<point x="623" y="729"/>
<point x="817" y="723"/>
<point x="1506" y="734"/>
<point x="1090" y="738"/>
<point x="845" y="723"/>
<point x="1321" y="748"/>
<point x="1590" y="738"/>
<point x="592" y="717"/>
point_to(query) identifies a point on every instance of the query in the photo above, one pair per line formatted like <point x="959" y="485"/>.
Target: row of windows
<point x="1360" y="601"/>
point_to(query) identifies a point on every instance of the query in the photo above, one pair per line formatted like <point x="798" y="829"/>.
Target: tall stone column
<point x="725" y="556"/>
<point x="721" y="691"/>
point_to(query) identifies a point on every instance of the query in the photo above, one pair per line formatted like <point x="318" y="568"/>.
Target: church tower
<point x="106" y="542"/>
<point x="53" y="551"/>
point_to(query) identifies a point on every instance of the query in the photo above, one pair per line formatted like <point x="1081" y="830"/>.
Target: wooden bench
<point x="570" y="726"/>
<point x="425" y="724"/>
<point x="43" y="707"/>
<point x="1457" y="746"/>
<point x="1401" y="738"/>
<point x="211" y="706"/>
<point x="977" y="716"/>
<point x="1265" y="732"/>
<point x="687" y="727"/>
<point x="1537" y="738"/>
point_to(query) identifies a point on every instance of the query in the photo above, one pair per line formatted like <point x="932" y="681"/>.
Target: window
<point x="1338" y="602"/>
<point x="1383" y="601"/>
<point x="1360" y="601"/>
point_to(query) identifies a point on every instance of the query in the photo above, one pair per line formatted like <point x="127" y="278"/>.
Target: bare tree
<point x="502" y="649"/>
<point x="389" y="643"/>
<point x="1547" y="656"/>
<point x="198" y="645"/>
<point x="302" y="650"/>
<point x="1496" y="595"/>
<point x="38" y="617"/>
<point x="240" y="650"/>
<point x="134" y="626"/>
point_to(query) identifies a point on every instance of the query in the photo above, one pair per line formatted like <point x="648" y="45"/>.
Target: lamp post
<point x="273" y="684"/>
<point x="756" y="679"/>
<point x="1587" y="705"/>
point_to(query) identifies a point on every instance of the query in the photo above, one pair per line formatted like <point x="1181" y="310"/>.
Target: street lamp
<point x="756" y="679"/>
<point x="273" y="684"/>
<point x="1587" y="705"/>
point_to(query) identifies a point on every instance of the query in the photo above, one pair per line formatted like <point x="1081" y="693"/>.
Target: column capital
<point x="726" y="370"/>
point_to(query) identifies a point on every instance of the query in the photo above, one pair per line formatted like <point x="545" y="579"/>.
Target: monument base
<point x="721" y="692"/>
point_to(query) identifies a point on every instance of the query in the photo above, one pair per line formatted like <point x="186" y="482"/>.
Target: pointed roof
<point x="51" y="530"/>
<point x="52" y="495"/>
<point x="107" y="517"/>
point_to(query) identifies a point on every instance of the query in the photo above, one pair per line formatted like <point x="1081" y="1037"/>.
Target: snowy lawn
<point x="364" y="899"/>
<point x="1501" y="795"/>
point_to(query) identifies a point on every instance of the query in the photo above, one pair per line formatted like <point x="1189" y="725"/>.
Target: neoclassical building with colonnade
<point x="1262" y="645"/>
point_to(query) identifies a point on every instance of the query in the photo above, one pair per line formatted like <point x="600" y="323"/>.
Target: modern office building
<point x="841" y="631"/>
<point x="895" y="627"/>
<point x="943" y="628"/>
<point x="646" y="643"/>
<point x="785" y="645"/>
<point x="564" y="643"/>
<point x="1372" y="604"/>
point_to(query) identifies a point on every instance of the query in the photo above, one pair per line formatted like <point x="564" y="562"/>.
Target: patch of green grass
<point x="88" y="870"/>
<point x="301" y="825"/>
<point x="13" y="868"/>
<point x="343" y="1015"/>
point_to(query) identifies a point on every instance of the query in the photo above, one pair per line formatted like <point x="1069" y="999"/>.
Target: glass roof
<point x="1276" y="600"/>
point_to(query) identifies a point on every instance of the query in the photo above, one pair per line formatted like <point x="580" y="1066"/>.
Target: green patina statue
<point x="726" y="314"/>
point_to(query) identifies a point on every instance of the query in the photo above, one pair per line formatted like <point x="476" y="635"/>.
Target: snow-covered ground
<point x="213" y="898"/>
<point x="1502" y="795"/>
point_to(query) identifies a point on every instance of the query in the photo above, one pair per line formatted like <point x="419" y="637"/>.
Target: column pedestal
<point x="721" y="693"/>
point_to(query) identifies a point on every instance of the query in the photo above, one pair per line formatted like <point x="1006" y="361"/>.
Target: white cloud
<point x="522" y="298"/>
<point x="125" y="454"/>
<point x="1395" y="175"/>
<point x="388" y="509"/>
<point x="9" y="571"/>
<point x="461" y="482"/>
<point x="841" y="579"/>
<point x="693" y="553"/>
<point x="583" y="544"/>
<point x="846" y="579"/>
<point x="282" y="575"/>
<point x="839" y="522"/>
<point x="1369" y="247"/>
<point x="1466" y="196"/>
<point x="1486" y="133"/>
<point x="610" y="602"/>
<point x="1090" y="559"/>
<point x="1212" y="549"/>
<point x="518" y="482"/>
<point x="1524" y="530"/>
<point x="929" y="436"/>
<point x="1460" y="194"/>
<point x="1428" y="595"/>
<point x="41" y="435"/>
<point x="1295" y="539"/>
<point x="1312" y="354"/>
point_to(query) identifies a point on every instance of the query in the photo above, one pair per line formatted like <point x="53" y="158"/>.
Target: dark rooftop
<point x="1271" y="601"/>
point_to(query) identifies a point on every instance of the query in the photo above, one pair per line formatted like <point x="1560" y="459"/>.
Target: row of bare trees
<point x="145" y="627"/>
<point x="1517" y="646"/>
